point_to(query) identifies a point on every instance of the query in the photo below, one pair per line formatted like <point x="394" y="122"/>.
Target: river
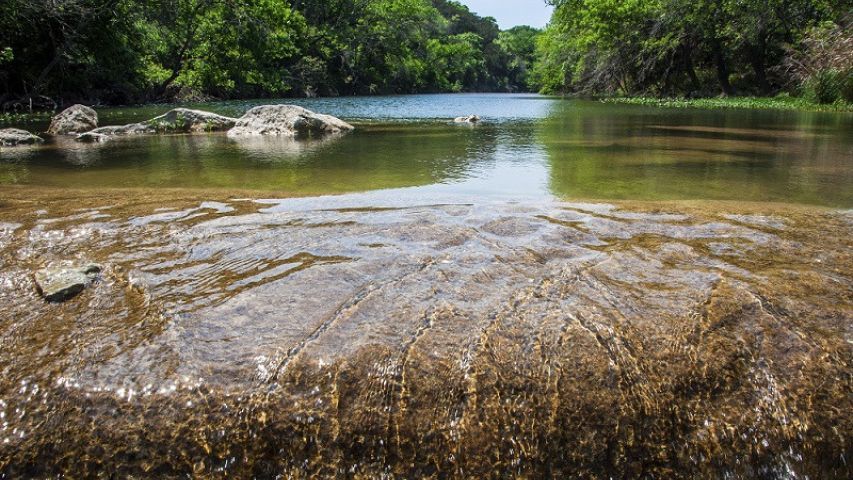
<point x="569" y="290"/>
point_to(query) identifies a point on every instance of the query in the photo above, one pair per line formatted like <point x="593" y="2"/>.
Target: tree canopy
<point x="123" y="51"/>
<point x="694" y="47"/>
<point x="128" y="51"/>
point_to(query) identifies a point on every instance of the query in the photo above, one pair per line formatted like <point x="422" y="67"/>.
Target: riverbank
<point x="780" y="102"/>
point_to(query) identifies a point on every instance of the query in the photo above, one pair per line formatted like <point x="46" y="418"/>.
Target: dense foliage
<point x="125" y="51"/>
<point x="122" y="51"/>
<point x="696" y="47"/>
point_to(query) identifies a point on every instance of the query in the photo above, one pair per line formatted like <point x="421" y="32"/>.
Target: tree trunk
<point x="722" y="67"/>
<point x="691" y="70"/>
<point x="756" y="58"/>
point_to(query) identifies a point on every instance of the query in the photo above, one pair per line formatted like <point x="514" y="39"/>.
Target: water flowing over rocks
<point x="287" y="120"/>
<point x="62" y="283"/>
<point x="74" y="120"/>
<point x="179" y="120"/>
<point x="12" y="137"/>
<point x="339" y="338"/>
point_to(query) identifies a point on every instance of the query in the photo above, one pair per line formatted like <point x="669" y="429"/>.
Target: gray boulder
<point x="61" y="284"/>
<point x="184" y="120"/>
<point x="287" y="120"/>
<point x="11" y="137"/>
<point x="179" y="120"/>
<point x="73" y="120"/>
<point x="468" y="119"/>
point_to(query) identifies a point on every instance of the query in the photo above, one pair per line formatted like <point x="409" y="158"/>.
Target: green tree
<point x="519" y="45"/>
<point x="673" y="46"/>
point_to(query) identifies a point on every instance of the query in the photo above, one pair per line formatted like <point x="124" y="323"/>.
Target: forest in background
<point x="134" y="51"/>
<point x="55" y="52"/>
<point x="699" y="48"/>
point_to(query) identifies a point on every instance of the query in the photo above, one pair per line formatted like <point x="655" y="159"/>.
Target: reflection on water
<point x="528" y="147"/>
<point x="369" y="336"/>
<point x="448" y="315"/>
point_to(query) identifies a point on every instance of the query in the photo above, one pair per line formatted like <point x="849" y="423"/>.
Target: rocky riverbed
<point x="443" y="339"/>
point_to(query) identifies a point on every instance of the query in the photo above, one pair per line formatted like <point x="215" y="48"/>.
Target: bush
<point x="847" y="85"/>
<point x="822" y="64"/>
<point x="824" y="86"/>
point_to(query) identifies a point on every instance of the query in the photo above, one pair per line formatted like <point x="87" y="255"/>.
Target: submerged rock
<point x="92" y="137"/>
<point x="11" y="137"/>
<point x="288" y="120"/>
<point x="179" y="120"/>
<point x="73" y="120"/>
<point x="468" y="119"/>
<point x="60" y="284"/>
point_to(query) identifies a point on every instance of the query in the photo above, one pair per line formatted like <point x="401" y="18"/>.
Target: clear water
<point x="450" y="312"/>
<point x="527" y="146"/>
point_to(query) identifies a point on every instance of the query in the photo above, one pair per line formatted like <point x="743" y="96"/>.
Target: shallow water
<point x="527" y="147"/>
<point x="474" y="325"/>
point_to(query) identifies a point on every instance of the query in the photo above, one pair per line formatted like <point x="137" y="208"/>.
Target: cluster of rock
<point x="281" y="120"/>
<point x="286" y="120"/>
<point x="278" y="120"/>
<point x="179" y="120"/>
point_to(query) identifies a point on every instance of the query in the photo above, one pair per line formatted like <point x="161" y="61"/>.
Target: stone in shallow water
<point x="60" y="284"/>
<point x="179" y="120"/>
<point x="10" y="137"/>
<point x="287" y="120"/>
<point x="92" y="137"/>
<point x="468" y="119"/>
<point x="74" y="119"/>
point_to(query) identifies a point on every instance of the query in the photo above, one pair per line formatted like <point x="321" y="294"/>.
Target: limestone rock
<point x="61" y="284"/>
<point x="185" y="120"/>
<point x="11" y="137"/>
<point x="468" y="119"/>
<point x="179" y="120"/>
<point x="92" y="137"/>
<point x="73" y="120"/>
<point x="287" y="120"/>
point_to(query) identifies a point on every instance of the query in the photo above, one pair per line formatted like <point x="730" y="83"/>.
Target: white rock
<point x="288" y="120"/>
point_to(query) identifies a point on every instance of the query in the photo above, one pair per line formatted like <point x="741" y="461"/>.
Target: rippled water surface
<point x="570" y="290"/>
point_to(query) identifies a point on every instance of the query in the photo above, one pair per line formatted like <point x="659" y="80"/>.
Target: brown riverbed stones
<point x="493" y="340"/>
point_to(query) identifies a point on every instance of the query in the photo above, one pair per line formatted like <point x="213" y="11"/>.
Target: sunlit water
<point x="569" y="290"/>
<point x="527" y="146"/>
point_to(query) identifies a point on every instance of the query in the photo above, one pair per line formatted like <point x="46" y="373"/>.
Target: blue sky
<point x="510" y="13"/>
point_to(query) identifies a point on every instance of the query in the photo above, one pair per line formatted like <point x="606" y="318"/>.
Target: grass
<point x="780" y="102"/>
